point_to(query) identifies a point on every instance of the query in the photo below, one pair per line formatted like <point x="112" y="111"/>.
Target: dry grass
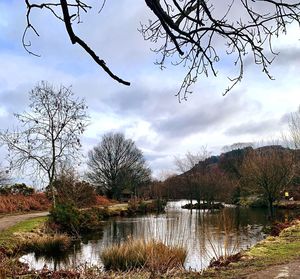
<point x="103" y="201"/>
<point x="21" y="203"/>
<point x="10" y="268"/>
<point x="151" y="255"/>
<point x="44" y="244"/>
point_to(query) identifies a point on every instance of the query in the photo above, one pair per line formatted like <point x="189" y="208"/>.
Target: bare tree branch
<point x="193" y="34"/>
<point x="64" y="5"/>
<point x="194" y="30"/>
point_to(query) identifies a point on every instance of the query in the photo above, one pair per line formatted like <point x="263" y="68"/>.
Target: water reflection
<point x="205" y="234"/>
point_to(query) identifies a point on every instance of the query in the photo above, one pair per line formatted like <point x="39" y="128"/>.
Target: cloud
<point x="253" y="128"/>
<point x="207" y="116"/>
<point x="147" y="111"/>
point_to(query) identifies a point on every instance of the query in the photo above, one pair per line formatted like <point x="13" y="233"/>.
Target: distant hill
<point x="217" y="177"/>
<point x="231" y="161"/>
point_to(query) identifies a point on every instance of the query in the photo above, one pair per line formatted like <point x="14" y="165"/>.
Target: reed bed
<point x="149" y="255"/>
<point x="44" y="244"/>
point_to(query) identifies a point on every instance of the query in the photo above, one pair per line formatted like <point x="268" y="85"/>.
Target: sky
<point x="148" y="111"/>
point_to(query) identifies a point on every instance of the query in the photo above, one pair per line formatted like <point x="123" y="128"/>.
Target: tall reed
<point x="150" y="255"/>
<point x="46" y="244"/>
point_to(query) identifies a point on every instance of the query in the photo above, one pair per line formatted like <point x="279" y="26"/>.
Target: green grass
<point x="272" y="251"/>
<point x="7" y="238"/>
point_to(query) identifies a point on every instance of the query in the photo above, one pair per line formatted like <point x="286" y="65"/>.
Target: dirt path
<point x="289" y="270"/>
<point x="9" y="221"/>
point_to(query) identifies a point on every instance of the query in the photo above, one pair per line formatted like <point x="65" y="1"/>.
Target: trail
<point x="10" y="220"/>
<point x="288" y="270"/>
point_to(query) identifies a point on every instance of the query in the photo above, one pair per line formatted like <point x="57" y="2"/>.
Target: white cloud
<point x="147" y="111"/>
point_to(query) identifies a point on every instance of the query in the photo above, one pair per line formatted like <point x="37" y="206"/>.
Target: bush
<point x="253" y="201"/>
<point x="91" y="219"/>
<point x="17" y="189"/>
<point x="73" y="191"/>
<point x="67" y="218"/>
<point x="104" y="201"/>
<point x="136" y="206"/>
<point x="20" y="203"/>
<point x="151" y="255"/>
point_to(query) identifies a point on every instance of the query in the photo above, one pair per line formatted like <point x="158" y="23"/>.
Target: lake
<point x="205" y="234"/>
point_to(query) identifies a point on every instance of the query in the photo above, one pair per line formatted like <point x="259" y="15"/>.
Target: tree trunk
<point x="271" y="208"/>
<point x="51" y="186"/>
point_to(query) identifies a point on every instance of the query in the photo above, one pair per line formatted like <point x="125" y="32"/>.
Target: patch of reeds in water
<point x="46" y="244"/>
<point x="149" y="255"/>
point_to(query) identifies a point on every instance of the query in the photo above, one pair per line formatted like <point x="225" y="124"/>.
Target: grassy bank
<point x="8" y="239"/>
<point x="30" y="236"/>
<point x="271" y="251"/>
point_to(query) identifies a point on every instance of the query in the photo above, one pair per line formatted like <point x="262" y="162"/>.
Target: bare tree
<point x="190" y="160"/>
<point x="116" y="164"/>
<point x="196" y="32"/>
<point x="4" y="178"/>
<point x="186" y="163"/>
<point x="213" y="184"/>
<point x="50" y="132"/>
<point x="294" y="129"/>
<point x="268" y="170"/>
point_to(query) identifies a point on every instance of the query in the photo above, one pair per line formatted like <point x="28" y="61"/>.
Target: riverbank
<point x="273" y="254"/>
<point x="280" y="251"/>
<point x="11" y="237"/>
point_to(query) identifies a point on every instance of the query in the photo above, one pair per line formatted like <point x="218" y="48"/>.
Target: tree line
<point x="48" y="144"/>
<point x="267" y="172"/>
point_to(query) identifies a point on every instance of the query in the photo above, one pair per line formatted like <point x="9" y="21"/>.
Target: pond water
<point x="205" y="234"/>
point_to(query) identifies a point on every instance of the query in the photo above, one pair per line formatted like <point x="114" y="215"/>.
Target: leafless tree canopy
<point x="194" y="29"/>
<point x="294" y="129"/>
<point x="117" y="164"/>
<point x="50" y="131"/>
<point x="4" y="178"/>
<point x="193" y="33"/>
<point x="268" y="170"/>
<point x="190" y="160"/>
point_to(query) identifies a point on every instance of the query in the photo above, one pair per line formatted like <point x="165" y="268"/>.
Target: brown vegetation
<point x="70" y="190"/>
<point x="21" y="203"/>
<point x="268" y="171"/>
<point x="104" y="201"/>
<point x="151" y="256"/>
<point x="44" y="244"/>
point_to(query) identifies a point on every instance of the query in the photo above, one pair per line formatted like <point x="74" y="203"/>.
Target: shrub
<point x="67" y="217"/>
<point x="253" y="201"/>
<point x="278" y="227"/>
<point x="20" y="203"/>
<point x="151" y="255"/>
<point x="91" y="219"/>
<point x="17" y="189"/>
<point x="104" y="201"/>
<point x="136" y="206"/>
<point x="73" y="191"/>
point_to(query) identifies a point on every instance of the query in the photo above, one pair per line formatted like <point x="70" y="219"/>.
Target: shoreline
<point x="272" y="251"/>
